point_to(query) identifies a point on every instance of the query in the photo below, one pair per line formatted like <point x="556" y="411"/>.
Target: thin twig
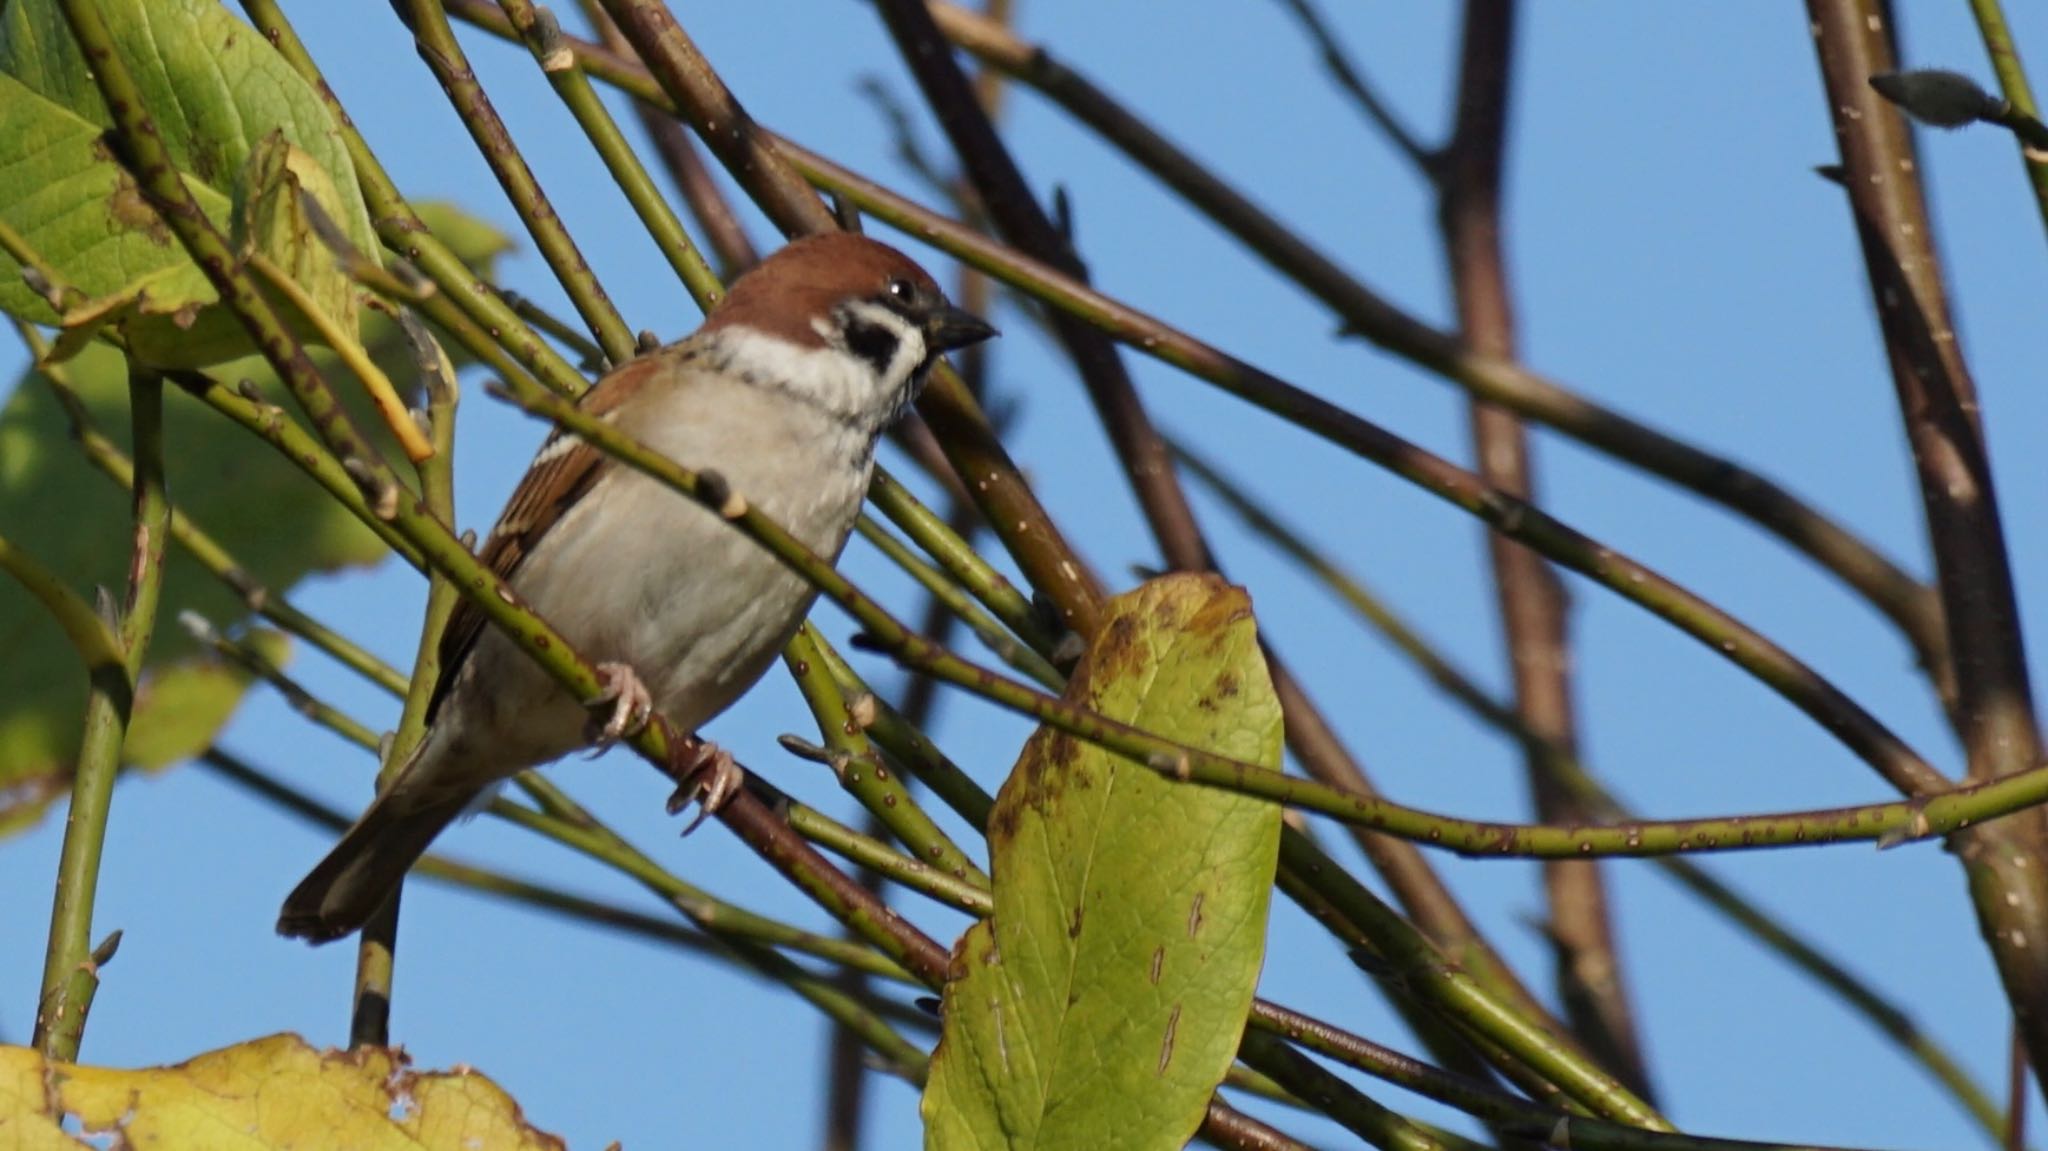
<point x="543" y="36"/>
<point x="91" y="637"/>
<point x="404" y="233"/>
<point x="1352" y="80"/>
<point x="1888" y="823"/>
<point x="376" y="947"/>
<point x="156" y="176"/>
<point x="723" y="232"/>
<point x="382" y="395"/>
<point x="2019" y="96"/>
<point x="1755" y="653"/>
<point x="860" y="770"/>
<point x="1329" y="1093"/>
<point x="1007" y="199"/>
<point x="1745" y="915"/>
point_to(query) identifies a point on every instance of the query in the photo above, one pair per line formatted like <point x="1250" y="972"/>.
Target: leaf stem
<point x="94" y="640"/>
<point x="404" y="233"/>
<point x="960" y="604"/>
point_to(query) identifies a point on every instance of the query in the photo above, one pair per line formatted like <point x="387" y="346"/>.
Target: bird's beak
<point x="948" y="328"/>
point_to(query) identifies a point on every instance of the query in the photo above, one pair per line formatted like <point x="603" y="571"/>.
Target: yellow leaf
<point x="267" y="1093"/>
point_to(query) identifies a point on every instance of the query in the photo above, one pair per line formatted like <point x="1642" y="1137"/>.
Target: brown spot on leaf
<point x="1166" y="1041"/>
<point x="1116" y="652"/>
<point x="130" y="208"/>
<point x="1062" y="750"/>
<point x="1002" y="823"/>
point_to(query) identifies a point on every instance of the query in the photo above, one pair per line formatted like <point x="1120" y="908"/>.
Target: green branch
<point x="70" y="965"/>
<point x="860" y="770"/>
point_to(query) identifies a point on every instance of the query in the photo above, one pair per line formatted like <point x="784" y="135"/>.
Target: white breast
<point x="694" y="606"/>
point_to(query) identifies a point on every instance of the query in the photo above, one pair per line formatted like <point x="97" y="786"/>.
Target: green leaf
<point x="1101" y="1004"/>
<point x="216" y="92"/>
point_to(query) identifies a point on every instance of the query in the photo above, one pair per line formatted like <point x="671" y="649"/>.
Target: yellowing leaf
<point x="1102" y="1002"/>
<point x="261" y="1095"/>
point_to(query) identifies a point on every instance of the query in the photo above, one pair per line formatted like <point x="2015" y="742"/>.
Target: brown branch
<point x="2007" y="861"/>
<point x="1764" y="659"/>
<point x="1532" y="598"/>
<point x="1051" y="560"/>
<point x="1903" y="599"/>
<point x="1016" y="213"/>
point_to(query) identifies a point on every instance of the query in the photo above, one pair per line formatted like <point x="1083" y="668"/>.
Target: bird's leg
<point x="629" y="702"/>
<point x="704" y="773"/>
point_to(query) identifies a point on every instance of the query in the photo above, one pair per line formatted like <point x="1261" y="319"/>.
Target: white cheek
<point x="909" y="354"/>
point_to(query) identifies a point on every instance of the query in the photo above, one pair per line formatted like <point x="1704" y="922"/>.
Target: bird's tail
<point x="362" y="871"/>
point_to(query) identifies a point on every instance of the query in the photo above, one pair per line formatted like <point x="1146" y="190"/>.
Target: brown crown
<point x="807" y="279"/>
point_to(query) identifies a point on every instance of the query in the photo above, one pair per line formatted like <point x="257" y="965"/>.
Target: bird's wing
<point x="562" y="471"/>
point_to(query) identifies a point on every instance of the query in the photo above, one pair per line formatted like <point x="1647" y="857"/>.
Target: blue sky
<point x="1673" y="256"/>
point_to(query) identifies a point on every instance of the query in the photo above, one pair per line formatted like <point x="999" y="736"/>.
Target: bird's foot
<point x="629" y="702"/>
<point x="705" y="774"/>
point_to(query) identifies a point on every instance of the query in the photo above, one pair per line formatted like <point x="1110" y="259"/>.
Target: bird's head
<point x="859" y="324"/>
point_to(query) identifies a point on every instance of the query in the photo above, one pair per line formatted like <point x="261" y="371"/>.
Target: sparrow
<point x="783" y="391"/>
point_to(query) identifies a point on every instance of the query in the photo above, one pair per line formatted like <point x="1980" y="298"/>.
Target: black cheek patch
<point x="873" y="343"/>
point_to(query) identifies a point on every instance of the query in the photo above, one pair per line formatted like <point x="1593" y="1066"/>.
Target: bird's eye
<point x="902" y="291"/>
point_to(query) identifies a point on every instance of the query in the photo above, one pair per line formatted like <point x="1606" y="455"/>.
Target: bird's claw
<point x="630" y="703"/>
<point x="706" y="775"/>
